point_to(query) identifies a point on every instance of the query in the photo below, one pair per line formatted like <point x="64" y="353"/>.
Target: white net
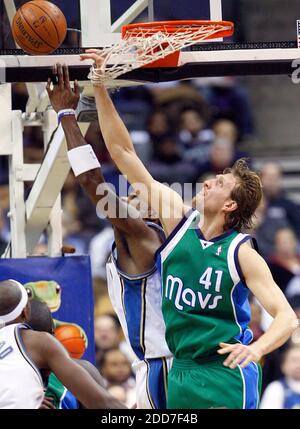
<point x="141" y="47"/>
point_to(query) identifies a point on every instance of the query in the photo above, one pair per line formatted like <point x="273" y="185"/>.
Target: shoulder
<point x="246" y="251"/>
<point x="40" y="343"/>
<point x="250" y="260"/>
<point x="35" y="338"/>
<point x="246" y="248"/>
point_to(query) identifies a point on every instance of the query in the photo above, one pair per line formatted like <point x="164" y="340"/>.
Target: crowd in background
<point x="184" y="132"/>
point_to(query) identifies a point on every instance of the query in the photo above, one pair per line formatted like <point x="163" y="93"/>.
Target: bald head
<point x="10" y="296"/>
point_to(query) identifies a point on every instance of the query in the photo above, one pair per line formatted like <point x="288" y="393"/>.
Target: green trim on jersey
<point x="55" y="390"/>
<point x="205" y="301"/>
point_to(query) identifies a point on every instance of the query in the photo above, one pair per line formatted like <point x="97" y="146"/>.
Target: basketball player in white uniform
<point x="133" y="281"/>
<point x="23" y="352"/>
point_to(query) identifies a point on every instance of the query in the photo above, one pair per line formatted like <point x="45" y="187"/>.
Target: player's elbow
<point x="119" y="153"/>
<point x="290" y="321"/>
<point x="293" y="321"/>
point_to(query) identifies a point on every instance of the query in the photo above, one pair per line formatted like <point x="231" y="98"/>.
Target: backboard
<point x="265" y="40"/>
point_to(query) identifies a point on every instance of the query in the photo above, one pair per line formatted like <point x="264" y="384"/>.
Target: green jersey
<point x="62" y="398"/>
<point x="204" y="295"/>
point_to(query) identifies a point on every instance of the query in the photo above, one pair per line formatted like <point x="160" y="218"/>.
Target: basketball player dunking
<point x="206" y="277"/>
<point x="134" y="284"/>
<point x="24" y="352"/>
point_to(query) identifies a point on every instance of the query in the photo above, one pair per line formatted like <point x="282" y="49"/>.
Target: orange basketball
<point x="39" y="27"/>
<point x="69" y="336"/>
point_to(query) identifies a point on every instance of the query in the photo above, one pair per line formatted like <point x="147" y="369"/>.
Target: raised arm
<point x="165" y="201"/>
<point x="260" y="281"/>
<point x="62" y="96"/>
<point x="48" y="353"/>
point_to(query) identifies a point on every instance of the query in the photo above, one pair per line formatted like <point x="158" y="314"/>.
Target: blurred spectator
<point x="295" y="304"/>
<point x="116" y="369"/>
<point x="226" y="129"/>
<point x="285" y="392"/>
<point x="285" y="263"/>
<point x="168" y="164"/>
<point x="159" y="126"/>
<point x="174" y="97"/>
<point x="222" y="154"/>
<point x="134" y="105"/>
<point x="194" y="135"/>
<point x="227" y="98"/>
<point x="265" y="229"/>
<point x="107" y="333"/>
<point x="279" y="206"/>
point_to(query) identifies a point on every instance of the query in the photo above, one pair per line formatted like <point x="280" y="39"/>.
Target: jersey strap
<point x="191" y="218"/>
<point x="239" y="292"/>
<point x="23" y="351"/>
<point x="233" y="260"/>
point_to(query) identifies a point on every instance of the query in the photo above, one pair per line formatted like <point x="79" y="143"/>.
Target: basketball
<point x="39" y="27"/>
<point x="69" y="336"/>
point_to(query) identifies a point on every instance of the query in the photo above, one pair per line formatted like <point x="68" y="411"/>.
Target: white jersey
<point x="137" y="302"/>
<point x="21" y="385"/>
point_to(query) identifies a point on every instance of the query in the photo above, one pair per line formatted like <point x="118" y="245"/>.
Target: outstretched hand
<point x="239" y="354"/>
<point x="93" y="54"/>
<point x="62" y="95"/>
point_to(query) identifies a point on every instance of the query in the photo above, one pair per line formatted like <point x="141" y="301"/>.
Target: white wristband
<point x="65" y="112"/>
<point x="83" y="159"/>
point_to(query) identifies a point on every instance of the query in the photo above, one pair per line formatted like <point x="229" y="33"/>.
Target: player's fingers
<point x="93" y="57"/>
<point x="54" y="69"/>
<point x="47" y="404"/>
<point x="233" y="355"/>
<point x="92" y="51"/>
<point x="66" y="76"/>
<point x="246" y="361"/>
<point x="226" y="350"/>
<point x="238" y="359"/>
<point x="60" y="76"/>
<point x="76" y="88"/>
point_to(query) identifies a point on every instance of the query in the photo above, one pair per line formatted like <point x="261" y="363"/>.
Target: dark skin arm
<point x="136" y="242"/>
<point x="47" y="353"/>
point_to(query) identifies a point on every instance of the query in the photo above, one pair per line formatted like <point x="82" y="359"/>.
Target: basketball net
<point x="142" y="46"/>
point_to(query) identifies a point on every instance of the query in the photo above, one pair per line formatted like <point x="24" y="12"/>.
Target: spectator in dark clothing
<point x="265" y="229"/>
<point x="159" y="126"/>
<point x="285" y="263"/>
<point x="279" y="206"/>
<point x="228" y="99"/>
<point x="168" y="164"/>
<point x="194" y="136"/>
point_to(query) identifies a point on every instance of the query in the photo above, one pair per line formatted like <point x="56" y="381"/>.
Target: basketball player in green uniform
<point x="208" y="267"/>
